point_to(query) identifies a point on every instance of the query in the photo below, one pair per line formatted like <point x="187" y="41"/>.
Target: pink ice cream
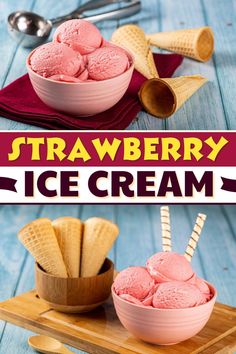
<point x="56" y="59"/>
<point x="65" y="78"/>
<point x="168" y="266"/>
<point x="78" y="53"/>
<point x="168" y="281"/>
<point x="131" y="299"/>
<point x="80" y="35"/>
<point x="134" y="282"/>
<point x="204" y="288"/>
<point x="107" y="62"/>
<point x="177" y="295"/>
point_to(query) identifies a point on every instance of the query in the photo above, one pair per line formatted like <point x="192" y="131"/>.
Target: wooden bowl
<point x="75" y="295"/>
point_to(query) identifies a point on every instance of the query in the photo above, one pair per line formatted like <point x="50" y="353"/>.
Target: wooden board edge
<point x="83" y="344"/>
<point x="70" y="340"/>
<point x="218" y="306"/>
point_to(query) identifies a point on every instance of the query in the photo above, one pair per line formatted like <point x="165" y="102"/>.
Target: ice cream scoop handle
<point x="90" y="5"/>
<point x="95" y="4"/>
<point x="126" y="11"/>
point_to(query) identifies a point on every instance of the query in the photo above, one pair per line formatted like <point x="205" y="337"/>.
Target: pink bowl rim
<point x="146" y="308"/>
<point x="131" y="68"/>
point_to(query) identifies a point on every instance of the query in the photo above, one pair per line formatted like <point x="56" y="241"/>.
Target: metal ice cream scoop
<point x="30" y="29"/>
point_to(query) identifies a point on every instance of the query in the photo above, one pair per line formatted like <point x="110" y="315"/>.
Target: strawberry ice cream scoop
<point x="131" y="299"/>
<point x="106" y="63"/>
<point x="80" y="35"/>
<point x="55" y="59"/>
<point x="169" y="266"/>
<point x="177" y="295"/>
<point x="204" y="288"/>
<point x="64" y="78"/>
<point x="134" y="281"/>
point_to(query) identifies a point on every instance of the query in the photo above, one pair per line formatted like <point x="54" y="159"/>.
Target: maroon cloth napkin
<point x="18" y="101"/>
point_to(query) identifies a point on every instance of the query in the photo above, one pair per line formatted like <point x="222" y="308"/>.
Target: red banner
<point x="118" y="148"/>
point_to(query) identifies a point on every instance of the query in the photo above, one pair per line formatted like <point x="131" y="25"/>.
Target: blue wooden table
<point x="212" y="108"/>
<point x="140" y="237"/>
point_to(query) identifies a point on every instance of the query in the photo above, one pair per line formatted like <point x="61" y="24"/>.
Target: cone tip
<point x="97" y="220"/>
<point x="66" y="219"/>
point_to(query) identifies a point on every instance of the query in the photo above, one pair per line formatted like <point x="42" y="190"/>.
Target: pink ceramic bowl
<point x="81" y="99"/>
<point x="163" y="326"/>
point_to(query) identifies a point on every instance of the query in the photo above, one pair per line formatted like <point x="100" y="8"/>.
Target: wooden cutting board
<point x="101" y="332"/>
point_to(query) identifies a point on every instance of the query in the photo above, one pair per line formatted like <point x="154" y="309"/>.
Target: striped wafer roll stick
<point x="165" y="228"/>
<point x="193" y="241"/>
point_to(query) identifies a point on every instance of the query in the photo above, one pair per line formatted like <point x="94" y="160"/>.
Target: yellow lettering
<point x="170" y="146"/>
<point x="55" y="147"/>
<point x="150" y="148"/>
<point x="106" y="148"/>
<point x="216" y="147"/>
<point x="79" y="152"/>
<point x="16" y="144"/>
<point x="132" y="150"/>
<point x="192" y="147"/>
<point x="35" y="142"/>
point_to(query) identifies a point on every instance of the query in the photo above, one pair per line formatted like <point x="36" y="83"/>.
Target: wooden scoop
<point x="48" y="345"/>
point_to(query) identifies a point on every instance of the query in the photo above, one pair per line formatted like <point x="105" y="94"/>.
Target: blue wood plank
<point x="8" y="45"/>
<point x="13" y="254"/>
<point x="211" y="108"/>
<point x="135" y="243"/>
<point x="204" y="110"/>
<point x="15" y="65"/>
<point x="221" y="17"/>
<point x="25" y="279"/>
<point x="217" y="250"/>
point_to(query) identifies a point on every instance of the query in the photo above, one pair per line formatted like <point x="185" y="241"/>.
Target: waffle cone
<point x="40" y="240"/>
<point x="133" y="38"/>
<point x="99" y="236"/>
<point x="163" y="97"/>
<point x="194" y="43"/>
<point x="69" y="236"/>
